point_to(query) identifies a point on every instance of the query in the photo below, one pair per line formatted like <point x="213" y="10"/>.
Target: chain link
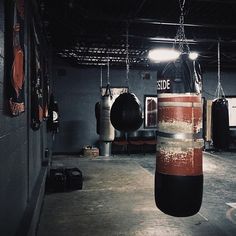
<point x="108" y="70"/>
<point x="127" y="55"/>
<point x="219" y="90"/>
<point x="180" y="37"/>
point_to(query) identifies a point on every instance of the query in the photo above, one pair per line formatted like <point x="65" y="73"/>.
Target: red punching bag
<point x="179" y="176"/>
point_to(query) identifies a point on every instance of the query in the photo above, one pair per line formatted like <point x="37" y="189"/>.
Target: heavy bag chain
<point x="180" y="35"/>
<point x="108" y="70"/>
<point x="108" y="89"/>
<point x="219" y="90"/>
<point x="127" y="56"/>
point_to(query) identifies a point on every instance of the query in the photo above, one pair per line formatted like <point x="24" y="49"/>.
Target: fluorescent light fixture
<point x="163" y="54"/>
<point x="193" y="55"/>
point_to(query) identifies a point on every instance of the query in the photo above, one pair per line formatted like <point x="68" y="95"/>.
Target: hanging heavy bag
<point x="220" y="114"/>
<point x="97" y="115"/>
<point x="107" y="131"/>
<point x="179" y="177"/>
<point x="126" y="113"/>
<point x="180" y="76"/>
<point x="220" y="124"/>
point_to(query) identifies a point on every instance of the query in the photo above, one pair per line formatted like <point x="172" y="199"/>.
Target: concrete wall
<point x="21" y="148"/>
<point x="77" y="92"/>
<point x="228" y="83"/>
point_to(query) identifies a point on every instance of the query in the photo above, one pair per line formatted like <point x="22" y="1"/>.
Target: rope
<point x="127" y="55"/>
<point x="101" y="77"/>
<point x="101" y="80"/>
<point x="108" y="70"/>
<point x="108" y="89"/>
<point x="219" y="90"/>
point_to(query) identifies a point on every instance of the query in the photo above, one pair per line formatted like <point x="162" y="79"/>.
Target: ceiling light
<point x="163" y="54"/>
<point x="193" y="55"/>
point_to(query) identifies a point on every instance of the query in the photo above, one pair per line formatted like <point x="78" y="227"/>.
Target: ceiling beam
<point x="217" y="1"/>
<point x="160" y="22"/>
<point x="189" y="41"/>
<point x="157" y="22"/>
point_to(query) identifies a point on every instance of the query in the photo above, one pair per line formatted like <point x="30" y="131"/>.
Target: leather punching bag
<point x="126" y="113"/>
<point x="107" y="131"/>
<point x="220" y="124"/>
<point x="97" y="115"/>
<point x="179" y="177"/>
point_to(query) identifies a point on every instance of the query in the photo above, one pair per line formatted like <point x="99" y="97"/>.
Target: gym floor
<point x="118" y="199"/>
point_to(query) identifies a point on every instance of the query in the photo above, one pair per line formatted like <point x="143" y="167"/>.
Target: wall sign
<point x="232" y="110"/>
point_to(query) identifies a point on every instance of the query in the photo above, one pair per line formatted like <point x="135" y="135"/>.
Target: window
<point x="150" y="105"/>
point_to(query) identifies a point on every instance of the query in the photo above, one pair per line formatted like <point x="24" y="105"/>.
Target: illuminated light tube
<point x="193" y="55"/>
<point x="163" y="54"/>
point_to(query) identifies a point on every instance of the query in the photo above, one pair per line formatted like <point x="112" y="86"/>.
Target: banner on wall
<point x="37" y="111"/>
<point x="16" y="99"/>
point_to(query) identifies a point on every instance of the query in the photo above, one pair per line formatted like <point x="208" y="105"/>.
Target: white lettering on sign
<point x="163" y="84"/>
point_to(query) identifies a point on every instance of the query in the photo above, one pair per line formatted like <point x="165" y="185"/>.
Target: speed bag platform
<point x="179" y="176"/>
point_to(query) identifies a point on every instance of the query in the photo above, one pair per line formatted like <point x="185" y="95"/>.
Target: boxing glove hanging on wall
<point x="179" y="177"/>
<point x="126" y="113"/>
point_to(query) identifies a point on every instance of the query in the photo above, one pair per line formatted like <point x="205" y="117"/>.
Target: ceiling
<point x="86" y="32"/>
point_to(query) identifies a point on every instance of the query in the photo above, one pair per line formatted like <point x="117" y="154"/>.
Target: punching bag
<point x="126" y="113"/>
<point x="107" y="131"/>
<point x="178" y="176"/>
<point x="97" y="115"/>
<point x="220" y="124"/>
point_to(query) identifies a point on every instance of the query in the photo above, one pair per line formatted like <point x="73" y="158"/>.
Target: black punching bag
<point x="220" y="124"/>
<point x="97" y="115"/>
<point x="178" y="176"/>
<point x="126" y="113"/>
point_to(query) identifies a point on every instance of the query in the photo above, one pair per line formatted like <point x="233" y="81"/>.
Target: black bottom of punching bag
<point x="178" y="195"/>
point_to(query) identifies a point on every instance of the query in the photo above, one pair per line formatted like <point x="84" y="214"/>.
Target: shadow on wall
<point x="73" y="136"/>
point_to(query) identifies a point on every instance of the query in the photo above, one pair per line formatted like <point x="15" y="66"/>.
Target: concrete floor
<point x="118" y="199"/>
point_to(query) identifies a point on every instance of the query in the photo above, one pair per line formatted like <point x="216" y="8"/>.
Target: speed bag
<point x="179" y="176"/>
<point x="126" y="113"/>
<point x="220" y="124"/>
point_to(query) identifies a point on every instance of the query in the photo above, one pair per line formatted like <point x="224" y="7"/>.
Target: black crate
<point x="74" y="178"/>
